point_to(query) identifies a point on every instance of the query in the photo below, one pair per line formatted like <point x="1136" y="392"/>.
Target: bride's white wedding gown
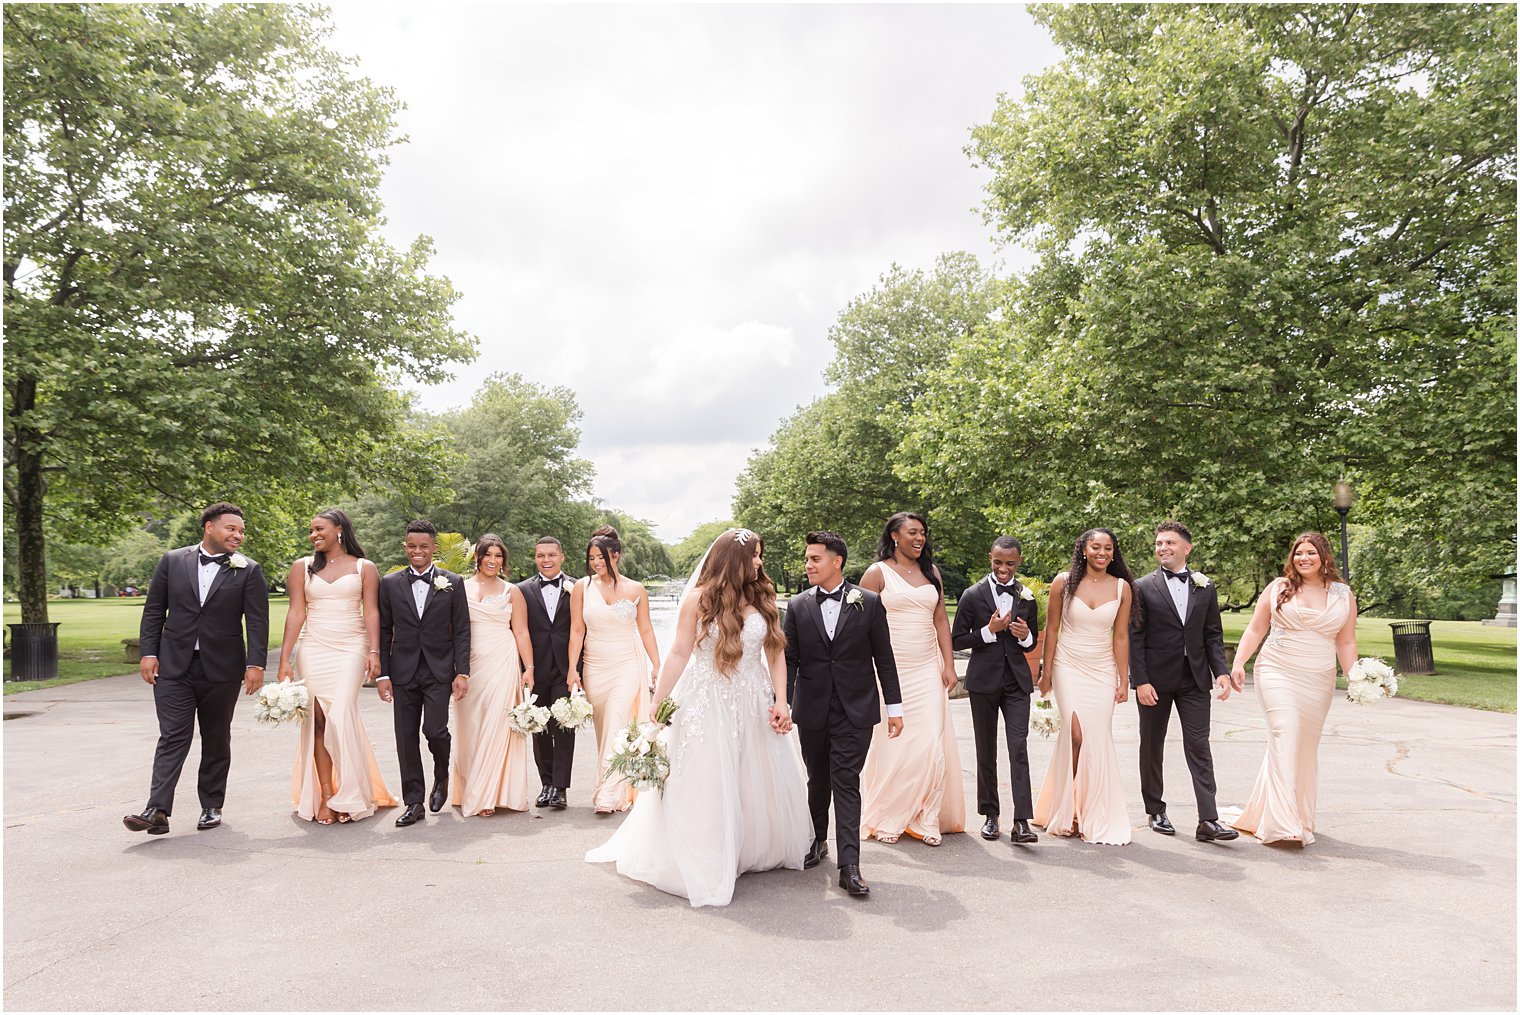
<point x="735" y="799"/>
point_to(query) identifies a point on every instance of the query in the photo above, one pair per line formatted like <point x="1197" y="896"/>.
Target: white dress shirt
<point x="420" y="589"/>
<point x="207" y="574"/>
<point x="1004" y="605"/>
<point x="830" y="609"/>
<point x="1178" y="590"/>
<point x="551" y="595"/>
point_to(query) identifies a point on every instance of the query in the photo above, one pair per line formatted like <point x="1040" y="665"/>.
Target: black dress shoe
<point x="990" y="830"/>
<point x="440" y="794"/>
<point x="557" y="799"/>
<point x="815" y="854"/>
<point x="851" y="881"/>
<point x="152" y="820"/>
<point x="1021" y="831"/>
<point x="1159" y="823"/>
<point x="1213" y="831"/>
<point x="543" y="798"/>
<point x="413" y="814"/>
<point x="211" y="817"/>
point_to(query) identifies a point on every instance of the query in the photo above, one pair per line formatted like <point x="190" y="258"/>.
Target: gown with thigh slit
<point x="735" y="799"/>
<point x="330" y="658"/>
<point x="1295" y="682"/>
<point x="1083" y="679"/>
<point x="912" y="783"/>
<point x="614" y="676"/>
<point x="491" y="767"/>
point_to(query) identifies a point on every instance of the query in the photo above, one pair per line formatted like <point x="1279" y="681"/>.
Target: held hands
<point x="894" y="727"/>
<point x="149" y="670"/>
<point x="253" y="679"/>
<point x="781" y="717"/>
<point x="461" y="686"/>
<point x="1146" y="693"/>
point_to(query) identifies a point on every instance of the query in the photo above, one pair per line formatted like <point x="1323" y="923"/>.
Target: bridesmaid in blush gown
<point x="609" y="622"/>
<point x="492" y="767"/>
<point x="332" y="638"/>
<point x="1087" y="662"/>
<point x="1303" y="623"/>
<point x="912" y="783"/>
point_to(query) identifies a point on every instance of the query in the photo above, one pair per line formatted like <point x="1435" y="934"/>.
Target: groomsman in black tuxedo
<point x="999" y="621"/>
<point x="424" y="657"/>
<point x="837" y="649"/>
<point x="199" y="602"/>
<point x="1175" y="656"/>
<point x="547" y="598"/>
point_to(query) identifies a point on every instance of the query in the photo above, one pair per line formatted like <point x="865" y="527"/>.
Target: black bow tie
<point x="215" y="558"/>
<point x="1181" y="576"/>
<point x="420" y="577"/>
<point x="837" y="595"/>
<point x="546" y="582"/>
<point x="1011" y="588"/>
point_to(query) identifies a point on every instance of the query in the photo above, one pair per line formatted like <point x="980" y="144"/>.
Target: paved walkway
<point x="1407" y="900"/>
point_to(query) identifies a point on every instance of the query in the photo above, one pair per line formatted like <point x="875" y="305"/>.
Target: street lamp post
<point x="1345" y="496"/>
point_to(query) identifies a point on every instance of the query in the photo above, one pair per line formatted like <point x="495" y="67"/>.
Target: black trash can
<point x="34" y="651"/>
<point x="1411" y="647"/>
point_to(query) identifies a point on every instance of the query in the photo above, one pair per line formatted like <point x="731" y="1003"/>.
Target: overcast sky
<point x="665" y="208"/>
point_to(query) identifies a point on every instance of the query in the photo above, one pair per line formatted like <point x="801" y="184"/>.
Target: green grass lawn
<point x="90" y="633"/>
<point x="1475" y="665"/>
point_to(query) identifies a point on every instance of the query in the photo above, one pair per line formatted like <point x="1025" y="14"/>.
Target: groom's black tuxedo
<point x="832" y="687"/>
<point x="1179" y="657"/>
<point x="554" y="748"/>
<point x="201" y="659"/>
<point x="998" y="681"/>
<point x="421" y="655"/>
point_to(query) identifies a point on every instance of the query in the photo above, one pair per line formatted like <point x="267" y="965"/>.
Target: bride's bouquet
<point x="1370" y="679"/>
<point x="1044" y="719"/>
<point x="639" y="754"/>
<point x="527" y="718"/>
<point x="285" y="702"/>
<point x="572" y="712"/>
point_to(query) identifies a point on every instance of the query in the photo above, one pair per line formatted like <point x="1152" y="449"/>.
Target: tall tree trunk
<point x="30" y="489"/>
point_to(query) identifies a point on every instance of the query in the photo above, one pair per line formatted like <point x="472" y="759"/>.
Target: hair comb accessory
<point x="743" y="536"/>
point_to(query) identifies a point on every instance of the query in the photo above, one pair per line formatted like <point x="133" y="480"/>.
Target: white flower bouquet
<point x="285" y="702"/>
<point x="638" y="753"/>
<point x="573" y="712"/>
<point x="1044" y="719"/>
<point x="1370" y="679"/>
<point x="527" y="718"/>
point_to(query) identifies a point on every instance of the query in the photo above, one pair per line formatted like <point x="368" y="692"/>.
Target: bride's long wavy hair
<point x="729" y="584"/>
<point x="1293" y="581"/>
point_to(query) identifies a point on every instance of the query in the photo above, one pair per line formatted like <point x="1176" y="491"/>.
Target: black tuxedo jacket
<point x="437" y="643"/>
<point x="173" y="618"/>
<point x="984" y="673"/>
<point x="1164" y="651"/>
<point x="550" y="639"/>
<point x="850" y="665"/>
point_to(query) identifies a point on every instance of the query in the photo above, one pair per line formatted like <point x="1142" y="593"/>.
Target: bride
<point x="734" y="800"/>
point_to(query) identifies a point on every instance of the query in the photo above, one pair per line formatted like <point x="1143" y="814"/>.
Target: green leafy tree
<point x="131" y="560"/>
<point x="198" y="304"/>
<point x="1276" y="248"/>
<point x="685" y="554"/>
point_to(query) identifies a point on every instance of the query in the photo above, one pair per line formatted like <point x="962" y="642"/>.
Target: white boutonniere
<point x="237" y="560"/>
<point x="1026" y="594"/>
<point x="854" y="598"/>
<point x="1200" y="579"/>
<point x="441" y="583"/>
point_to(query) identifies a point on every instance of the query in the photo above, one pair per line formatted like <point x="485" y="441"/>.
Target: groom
<point x="1175" y="654"/>
<point x="837" y="648"/>
<point x="424" y="655"/>
<point x="200" y="599"/>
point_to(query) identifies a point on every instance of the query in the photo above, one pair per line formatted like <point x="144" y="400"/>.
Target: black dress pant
<point x="834" y="756"/>
<point x="554" y="748"/>
<point x="1193" y="709"/>
<point x="180" y="701"/>
<point x="422" y="704"/>
<point x="1011" y="702"/>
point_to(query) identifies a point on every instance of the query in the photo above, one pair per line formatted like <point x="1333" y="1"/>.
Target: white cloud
<point x="664" y="208"/>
